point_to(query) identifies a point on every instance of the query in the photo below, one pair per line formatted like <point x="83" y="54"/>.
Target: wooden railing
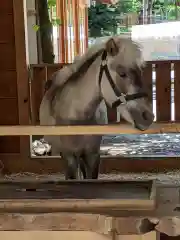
<point x="162" y="79"/>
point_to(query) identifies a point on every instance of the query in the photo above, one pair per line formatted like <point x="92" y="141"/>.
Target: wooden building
<point x="15" y="100"/>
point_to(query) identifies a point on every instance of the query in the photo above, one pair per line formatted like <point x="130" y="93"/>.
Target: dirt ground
<point x="167" y="196"/>
<point x="163" y="178"/>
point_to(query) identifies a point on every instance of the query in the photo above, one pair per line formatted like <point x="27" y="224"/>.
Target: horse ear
<point x="111" y="47"/>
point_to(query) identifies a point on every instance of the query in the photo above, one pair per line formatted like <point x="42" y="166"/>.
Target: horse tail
<point x="45" y="110"/>
<point x="57" y="80"/>
<point x="47" y="85"/>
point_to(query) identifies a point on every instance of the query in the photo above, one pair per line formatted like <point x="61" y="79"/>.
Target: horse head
<point x="121" y="81"/>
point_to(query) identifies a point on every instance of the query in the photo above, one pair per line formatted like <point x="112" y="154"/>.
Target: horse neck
<point x="87" y="92"/>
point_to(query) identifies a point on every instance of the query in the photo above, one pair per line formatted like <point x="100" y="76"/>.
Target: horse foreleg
<point x="71" y="166"/>
<point x="82" y="168"/>
<point x="92" y="162"/>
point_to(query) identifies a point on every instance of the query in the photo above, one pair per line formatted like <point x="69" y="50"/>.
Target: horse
<point x="108" y="74"/>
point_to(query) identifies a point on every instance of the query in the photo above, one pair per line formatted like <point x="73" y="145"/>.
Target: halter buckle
<point x="122" y="98"/>
<point x="104" y="62"/>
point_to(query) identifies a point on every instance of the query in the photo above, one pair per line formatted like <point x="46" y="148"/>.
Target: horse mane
<point x="74" y="70"/>
<point x="130" y="54"/>
<point x="78" y="67"/>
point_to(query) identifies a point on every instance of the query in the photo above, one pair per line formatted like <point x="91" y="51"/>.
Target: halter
<point x="121" y="97"/>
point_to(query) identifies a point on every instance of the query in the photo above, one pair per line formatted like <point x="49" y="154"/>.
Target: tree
<point x="105" y="19"/>
<point x="101" y="20"/>
<point x="128" y="6"/>
<point x="44" y="28"/>
<point x="167" y="9"/>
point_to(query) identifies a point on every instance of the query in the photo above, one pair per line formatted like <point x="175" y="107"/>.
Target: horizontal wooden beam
<point x="76" y="196"/>
<point x="53" y="222"/>
<point x="87" y="130"/>
<point x="74" y="205"/>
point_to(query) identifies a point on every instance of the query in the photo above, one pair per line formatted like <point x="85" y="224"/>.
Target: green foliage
<point x="104" y="19"/>
<point x="52" y="3"/>
<point x="54" y="20"/>
<point x="171" y="12"/>
<point x="166" y="9"/>
<point x="35" y="27"/>
<point x="128" y="6"/>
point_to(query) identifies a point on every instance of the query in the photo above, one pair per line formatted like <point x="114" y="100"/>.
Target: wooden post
<point x="163" y="90"/>
<point x="76" y="26"/>
<point x="70" y="23"/>
<point x="86" y="27"/>
<point x="22" y="72"/>
<point x="177" y="89"/>
<point x="65" y="30"/>
<point x="60" y="14"/>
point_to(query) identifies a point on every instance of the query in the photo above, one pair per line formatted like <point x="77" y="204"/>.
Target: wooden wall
<point x="15" y="101"/>
<point x="14" y="98"/>
<point x="162" y="84"/>
<point x="8" y="77"/>
<point x="74" y="13"/>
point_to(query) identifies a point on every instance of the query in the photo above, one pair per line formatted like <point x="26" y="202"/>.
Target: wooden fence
<point x="162" y="79"/>
<point x="14" y="100"/>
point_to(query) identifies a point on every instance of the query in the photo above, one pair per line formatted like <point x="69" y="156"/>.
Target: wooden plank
<point x="177" y="90"/>
<point x="7" y="62"/>
<point x="76" y="26"/>
<point x="8" y="86"/>
<point x="86" y="27"/>
<point x="163" y="91"/>
<point x="68" y="222"/>
<point x="65" y="37"/>
<point x="76" y="205"/>
<point x="145" y="185"/>
<point x="69" y="23"/>
<point x="48" y="65"/>
<point x="51" y="70"/>
<point x="10" y="111"/>
<point x="60" y="15"/>
<point x="54" y="221"/>
<point x="6" y="7"/>
<point x="147" y="78"/>
<point x="46" y="235"/>
<point x="22" y="71"/>
<point x="85" y="130"/>
<point x="76" y="196"/>
<point x="149" y="236"/>
<point x="9" y="144"/>
<point x="39" y="77"/>
<point x="72" y="223"/>
<point x="81" y="190"/>
<point x="7" y="26"/>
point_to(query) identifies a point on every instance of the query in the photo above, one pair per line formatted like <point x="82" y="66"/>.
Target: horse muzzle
<point x="142" y="119"/>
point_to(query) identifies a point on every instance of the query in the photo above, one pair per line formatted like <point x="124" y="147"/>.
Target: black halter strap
<point x="121" y="97"/>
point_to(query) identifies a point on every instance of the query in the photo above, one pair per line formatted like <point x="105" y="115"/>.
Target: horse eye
<point x="123" y="74"/>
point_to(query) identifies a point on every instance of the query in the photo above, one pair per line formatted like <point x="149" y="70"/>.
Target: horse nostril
<point x="145" y="115"/>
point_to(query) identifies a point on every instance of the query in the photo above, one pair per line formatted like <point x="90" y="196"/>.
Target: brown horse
<point x="109" y="73"/>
